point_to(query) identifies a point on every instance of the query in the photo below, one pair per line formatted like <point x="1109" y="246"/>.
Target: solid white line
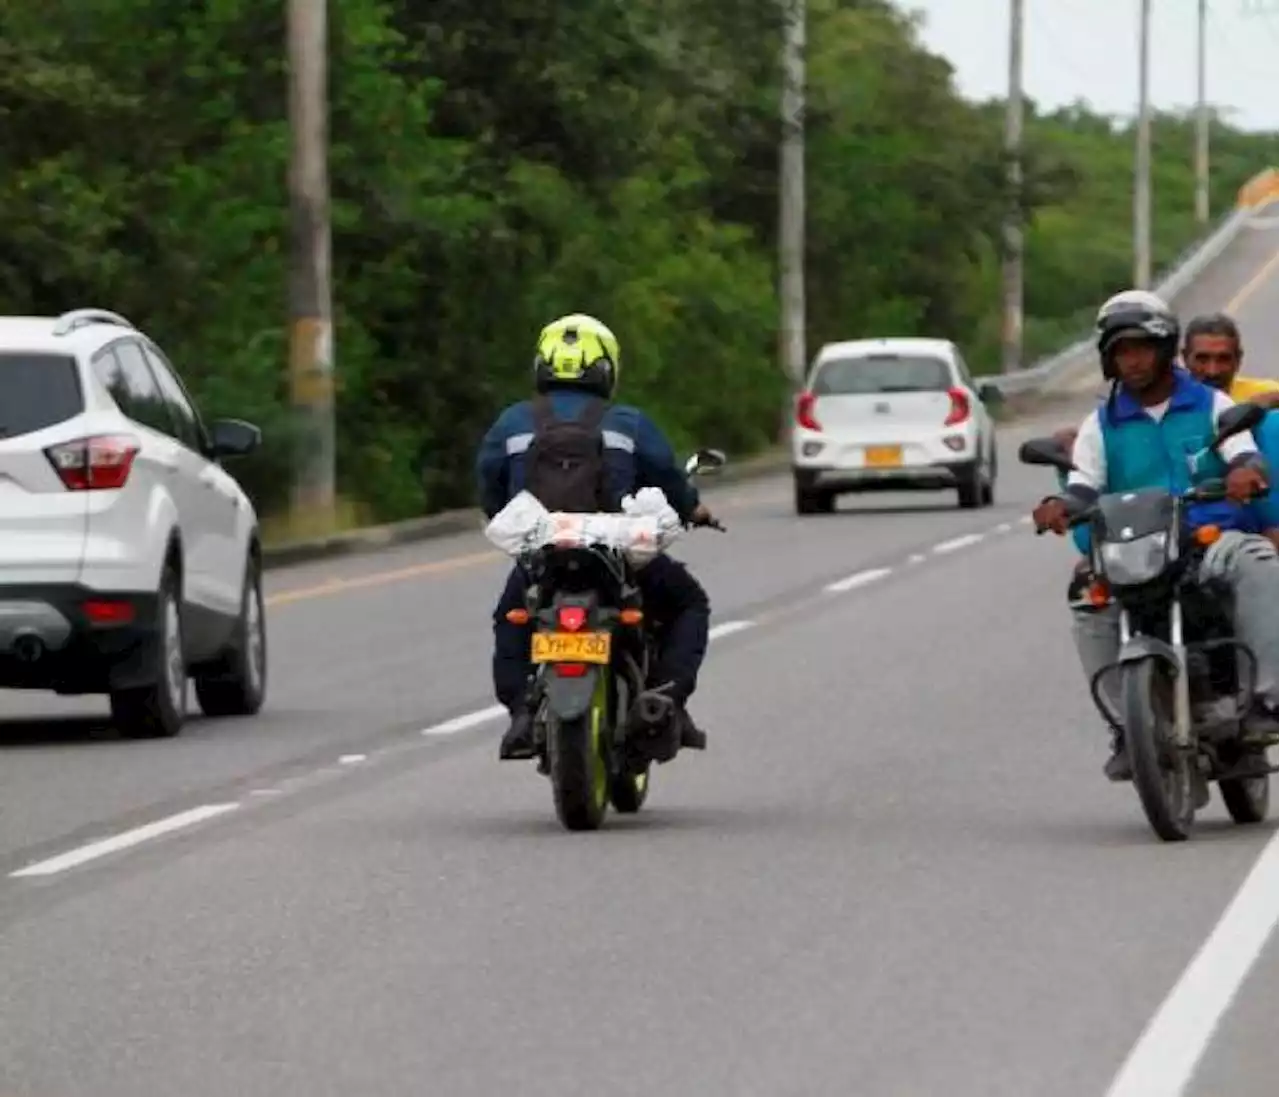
<point x="859" y="579"/>
<point x="728" y="628"/>
<point x="958" y="543"/>
<point x="465" y="721"/>
<point x="1164" y="1058"/>
<point x="92" y="851"/>
<point x="74" y="857"/>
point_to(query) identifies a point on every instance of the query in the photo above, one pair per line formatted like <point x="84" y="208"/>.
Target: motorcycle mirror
<point x="704" y="462"/>
<point x="1045" y="451"/>
<point x="1236" y="420"/>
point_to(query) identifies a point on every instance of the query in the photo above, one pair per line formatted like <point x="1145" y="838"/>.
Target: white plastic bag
<point x="647" y="526"/>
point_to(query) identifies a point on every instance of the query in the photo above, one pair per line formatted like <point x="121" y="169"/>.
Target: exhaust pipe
<point x="654" y="708"/>
<point x="27" y="647"/>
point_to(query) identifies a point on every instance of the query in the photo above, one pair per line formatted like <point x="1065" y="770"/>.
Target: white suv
<point x="896" y="415"/>
<point x="128" y="558"/>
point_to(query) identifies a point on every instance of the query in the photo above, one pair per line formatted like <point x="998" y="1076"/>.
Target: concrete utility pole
<point x="791" y="204"/>
<point x="1142" y="157"/>
<point x="1202" y="118"/>
<point x="310" y="308"/>
<point x="1012" y="259"/>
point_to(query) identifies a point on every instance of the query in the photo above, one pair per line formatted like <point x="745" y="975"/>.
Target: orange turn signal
<point x="1099" y="594"/>
<point x="631" y="616"/>
<point x="518" y="616"/>
<point x="1207" y="535"/>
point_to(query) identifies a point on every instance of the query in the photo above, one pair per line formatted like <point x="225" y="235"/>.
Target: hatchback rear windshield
<point x="37" y="391"/>
<point x="881" y="373"/>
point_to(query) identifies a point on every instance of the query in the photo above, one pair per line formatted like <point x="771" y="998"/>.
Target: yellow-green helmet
<point x="578" y="351"/>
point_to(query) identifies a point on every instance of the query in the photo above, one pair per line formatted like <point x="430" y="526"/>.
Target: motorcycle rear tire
<point x="579" y="777"/>
<point x="629" y="791"/>
<point x="1161" y="773"/>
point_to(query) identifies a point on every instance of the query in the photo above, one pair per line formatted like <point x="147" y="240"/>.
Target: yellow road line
<point x="339" y="585"/>
<point x="1251" y="286"/>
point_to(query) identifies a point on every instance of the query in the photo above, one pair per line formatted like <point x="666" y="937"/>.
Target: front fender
<point x="1141" y="648"/>
<point x="570" y="698"/>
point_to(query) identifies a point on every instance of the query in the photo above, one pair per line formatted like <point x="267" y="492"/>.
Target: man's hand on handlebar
<point x="703" y="517"/>
<point x="1244" y="483"/>
<point x="1051" y="514"/>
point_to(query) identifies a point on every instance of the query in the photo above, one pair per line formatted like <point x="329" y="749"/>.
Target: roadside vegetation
<point x="494" y="165"/>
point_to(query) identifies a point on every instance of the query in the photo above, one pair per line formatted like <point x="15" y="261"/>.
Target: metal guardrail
<point x="1047" y="372"/>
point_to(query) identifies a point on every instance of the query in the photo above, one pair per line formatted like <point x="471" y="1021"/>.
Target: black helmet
<point x="1136" y="314"/>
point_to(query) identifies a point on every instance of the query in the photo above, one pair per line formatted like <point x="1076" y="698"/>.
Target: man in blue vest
<point x="575" y="452"/>
<point x="1155" y="418"/>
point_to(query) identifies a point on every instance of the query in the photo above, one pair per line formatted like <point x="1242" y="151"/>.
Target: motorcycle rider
<point x="1214" y="352"/>
<point x="1154" y="418"/>
<point x="576" y="365"/>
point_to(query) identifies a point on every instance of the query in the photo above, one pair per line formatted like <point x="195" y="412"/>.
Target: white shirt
<point x="1090" y="453"/>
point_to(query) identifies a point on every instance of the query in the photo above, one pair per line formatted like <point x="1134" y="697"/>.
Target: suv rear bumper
<point x="49" y="641"/>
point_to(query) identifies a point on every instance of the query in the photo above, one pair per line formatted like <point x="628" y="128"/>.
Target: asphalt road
<point x="897" y="870"/>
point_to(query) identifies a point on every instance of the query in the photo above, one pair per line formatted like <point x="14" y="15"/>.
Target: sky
<point x="1089" y="49"/>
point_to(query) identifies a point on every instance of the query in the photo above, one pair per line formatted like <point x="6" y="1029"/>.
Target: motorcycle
<point x="1182" y="694"/>
<point x="591" y="650"/>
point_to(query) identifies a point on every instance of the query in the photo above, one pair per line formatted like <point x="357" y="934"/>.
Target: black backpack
<point x="564" y="464"/>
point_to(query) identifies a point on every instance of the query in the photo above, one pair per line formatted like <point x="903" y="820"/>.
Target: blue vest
<point x="1143" y="453"/>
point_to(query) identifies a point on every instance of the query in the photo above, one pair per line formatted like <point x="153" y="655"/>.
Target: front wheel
<point x="1161" y="772"/>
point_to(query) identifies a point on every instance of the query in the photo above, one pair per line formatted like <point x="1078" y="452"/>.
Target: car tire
<point x="989" y="482"/>
<point x="969" y="487"/>
<point x="158" y="710"/>
<point x="236" y="685"/>
<point x="809" y="501"/>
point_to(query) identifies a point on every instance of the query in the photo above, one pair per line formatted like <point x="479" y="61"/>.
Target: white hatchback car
<point x="129" y="559"/>
<point x="892" y="415"/>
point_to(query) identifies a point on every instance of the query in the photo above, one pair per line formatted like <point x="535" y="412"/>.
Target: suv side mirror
<point x="233" y="438"/>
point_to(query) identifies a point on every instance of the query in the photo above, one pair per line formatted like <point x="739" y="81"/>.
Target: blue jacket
<point x="1267" y="437"/>
<point x="1142" y="453"/>
<point x="637" y="454"/>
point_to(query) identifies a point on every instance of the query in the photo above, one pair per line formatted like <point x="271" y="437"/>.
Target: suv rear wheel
<point x="237" y="684"/>
<point x="158" y="710"/>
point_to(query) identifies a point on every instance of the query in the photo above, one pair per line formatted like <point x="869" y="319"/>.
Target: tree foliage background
<point x="498" y="162"/>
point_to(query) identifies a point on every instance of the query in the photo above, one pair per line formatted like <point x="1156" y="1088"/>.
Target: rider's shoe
<point x="1117" y="767"/>
<point x="517" y="743"/>
<point x="692" y="737"/>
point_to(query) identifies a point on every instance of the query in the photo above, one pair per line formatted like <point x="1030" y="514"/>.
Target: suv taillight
<point x="959" y="410"/>
<point x="99" y="463"/>
<point x="805" y="403"/>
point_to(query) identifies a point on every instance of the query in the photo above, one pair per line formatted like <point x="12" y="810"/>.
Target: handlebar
<point x="1212" y="491"/>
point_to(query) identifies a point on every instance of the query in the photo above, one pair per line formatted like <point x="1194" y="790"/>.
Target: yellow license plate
<point x="880" y="457"/>
<point x="572" y="647"/>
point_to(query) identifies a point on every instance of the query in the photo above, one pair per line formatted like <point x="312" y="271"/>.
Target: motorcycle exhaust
<point x="654" y="708"/>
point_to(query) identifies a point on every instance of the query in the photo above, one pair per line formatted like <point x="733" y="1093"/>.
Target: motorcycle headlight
<point x="1129" y="563"/>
